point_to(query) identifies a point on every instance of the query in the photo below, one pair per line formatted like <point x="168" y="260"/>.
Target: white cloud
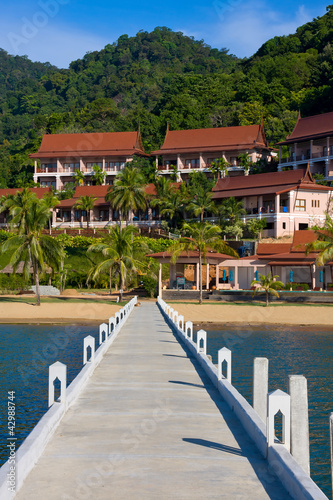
<point x="244" y="27"/>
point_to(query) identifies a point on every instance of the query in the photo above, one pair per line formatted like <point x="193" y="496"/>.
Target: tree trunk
<point x="267" y="297"/>
<point x="110" y="280"/>
<point x="200" y="278"/>
<point x="37" y="285"/>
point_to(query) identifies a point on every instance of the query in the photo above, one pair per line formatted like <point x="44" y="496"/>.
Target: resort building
<point x="66" y="214"/>
<point x="60" y="155"/>
<point x="186" y="151"/>
<point x="311" y="142"/>
<point x="289" y="261"/>
<point x="289" y="201"/>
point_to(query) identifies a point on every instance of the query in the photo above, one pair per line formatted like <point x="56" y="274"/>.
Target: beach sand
<point x="91" y="311"/>
<point x="246" y="314"/>
<point x="85" y="312"/>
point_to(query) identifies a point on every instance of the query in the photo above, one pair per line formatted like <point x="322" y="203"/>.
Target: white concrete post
<point x="117" y="317"/>
<point x="224" y="354"/>
<point x="112" y="321"/>
<point x="278" y="401"/>
<point x="167" y="310"/>
<point x="260" y="387"/>
<point x="202" y="336"/>
<point x="299" y="415"/>
<point x="197" y="277"/>
<point x="171" y="313"/>
<point x="175" y="317"/>
<point x="57" y="371"/>
<point x="180" y="321"/>
<point x="189" y="326"/>
<point x="103" y="328"/>
<point x="88" y="342"/>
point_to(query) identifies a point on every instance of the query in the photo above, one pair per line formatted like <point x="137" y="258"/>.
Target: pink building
<point x="289" y="201"/>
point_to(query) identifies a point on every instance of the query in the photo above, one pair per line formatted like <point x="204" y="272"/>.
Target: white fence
<point x="34" y="445"/>
<point x="280" y="454"/>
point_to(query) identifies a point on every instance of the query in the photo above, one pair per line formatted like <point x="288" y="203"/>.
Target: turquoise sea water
<point x="26" y="353"/>
<point x="304" y="351"/>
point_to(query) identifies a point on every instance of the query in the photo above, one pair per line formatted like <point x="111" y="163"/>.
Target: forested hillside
<point x="159" y="77"/>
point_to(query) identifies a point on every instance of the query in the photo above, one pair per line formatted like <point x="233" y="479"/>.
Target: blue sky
<point x="60" y="31"/>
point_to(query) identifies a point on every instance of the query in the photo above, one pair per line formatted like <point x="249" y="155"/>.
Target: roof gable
<point x="88" y="143"/>
<point x="312" y="126"/>
<point x="214" y="138"/>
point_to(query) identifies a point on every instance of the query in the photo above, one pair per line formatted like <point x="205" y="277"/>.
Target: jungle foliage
<point x="163" y="76"/>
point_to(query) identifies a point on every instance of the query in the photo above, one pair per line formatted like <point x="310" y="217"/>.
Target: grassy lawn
<point x="252" y="303"/>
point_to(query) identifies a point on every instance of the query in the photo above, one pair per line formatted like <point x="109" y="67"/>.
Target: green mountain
<point x="159" y="77"/>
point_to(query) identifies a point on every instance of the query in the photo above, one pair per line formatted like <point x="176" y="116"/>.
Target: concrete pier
<point x="150" y="425"/>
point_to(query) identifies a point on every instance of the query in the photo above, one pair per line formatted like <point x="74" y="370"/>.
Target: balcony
<point x="46" y="170"/>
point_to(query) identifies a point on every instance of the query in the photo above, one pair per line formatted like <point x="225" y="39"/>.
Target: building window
<point x="48" y="167"/>
<point x="303" y="226"/>
<point x="115" y="166"/>
<point x="194" y="163"/>
<point x="315" y="203"/>
<point x="300" y="206"/>
<point x="270" y="225"/>
<point x="90" y="164"/>
<point x="283" y="225"/>
<point x="71" y="167"/>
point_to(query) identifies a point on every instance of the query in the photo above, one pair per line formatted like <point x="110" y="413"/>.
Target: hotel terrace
<point x="195" y="150"/>
<point x="61" y="154"/>
<point x="311" y="142"/>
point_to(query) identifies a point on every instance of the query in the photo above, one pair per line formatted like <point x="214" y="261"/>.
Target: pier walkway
<point x="150" y="425"/>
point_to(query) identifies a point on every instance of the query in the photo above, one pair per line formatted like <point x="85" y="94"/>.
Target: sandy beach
<point x="240" y="314"/>
<point x="89" y="311"/>
<point x="85" y="312"/>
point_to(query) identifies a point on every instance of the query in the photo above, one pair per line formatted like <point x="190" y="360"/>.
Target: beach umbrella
<point x="321" y="276"/>
<point x="291" y="277"/>
<point x="257" y="275"/>
<point x="224" y="275"/>
<point x="231" y="276"/>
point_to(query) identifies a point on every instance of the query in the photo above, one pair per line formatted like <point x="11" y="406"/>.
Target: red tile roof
<point x="269" y="183"/>
<point x="95" y="191"/>
<point x="92" y="144"/>
<point x="214" y="139"/>
<point x="39" y="191"/>
<point x="192" y="254"/>
<point x="272" y="248"/>
<point x="310" y="128"/>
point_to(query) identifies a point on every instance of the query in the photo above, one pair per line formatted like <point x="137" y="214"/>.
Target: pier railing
<point x="15" y="470"/>
<point x="289" y="458"/>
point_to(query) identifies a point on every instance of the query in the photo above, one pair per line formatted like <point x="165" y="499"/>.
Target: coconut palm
<point x="219" y="166"/>
<point x="18" y="207"/>
<point x="324" y="243"/>
<point x="28" y="245"/>
<point x="128" y="192"/>
<point x="51" y="201"/>
<point x="119" y="253"/>
<point x="78" y="178"/>
<point x="98" y="176"/>
<point x="245" y="161"/>
<point x="201" y="203"/>
<point x="231" y="210"/>
<point x="268" y="284"/>
<point x="86" y="203"/>
<point x="202" y="237"/>
<point x="173" y="206"/>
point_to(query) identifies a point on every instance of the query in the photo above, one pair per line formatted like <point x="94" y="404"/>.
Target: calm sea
<point x="291" y="351"/>
<point x="26" y="353"/>
<point x="28" y="350"/>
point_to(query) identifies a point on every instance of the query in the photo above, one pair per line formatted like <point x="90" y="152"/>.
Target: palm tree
<point x="128" y="192"/>
<point x="173" y="206"/>
<point x="324" y="243"/>
<point x="29" y="245"/>
<point x="86" y="203"/>
<point x="245" y="161"/>
<point x="51" y="201"/>
<point x="218" y="166"/>
<point x="18" y="207"/>
<point x="118" y="252"/>
<point x="78" y="178"/>
<point x="231" y="210"/>
<point x="201" y="203"/>
<point x="98" y="175"/>
<point x="202" y="237"/>
<point x="268" y="284"/>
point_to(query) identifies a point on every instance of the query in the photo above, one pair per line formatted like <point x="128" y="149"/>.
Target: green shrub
<point x="149" y="284"/>
<point x="13" y="283"/>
